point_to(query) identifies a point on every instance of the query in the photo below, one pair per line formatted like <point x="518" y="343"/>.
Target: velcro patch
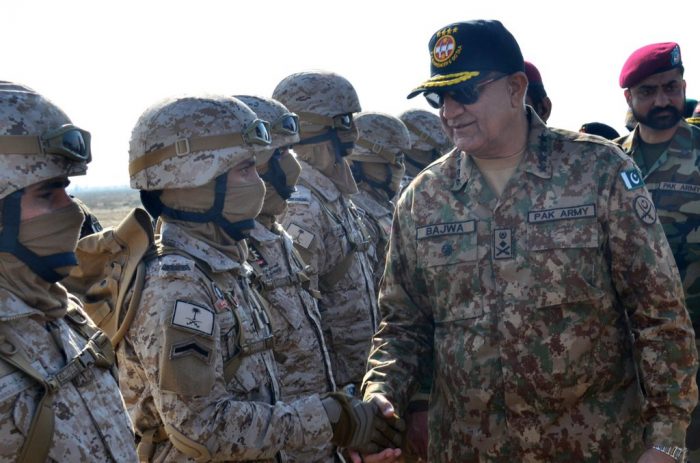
<point x="632" y="179"/>
<point x="442" y="229"/>
<point x="301" y="236"/>
<point x="193" y="317"/>
<point x="645" y="209"/>
<point x="561" y="213"/>
<point x="190" y="347"/>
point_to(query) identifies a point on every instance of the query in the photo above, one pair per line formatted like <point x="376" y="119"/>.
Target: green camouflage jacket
<point x="517" y="302"/>
<point x="674" y="184"/>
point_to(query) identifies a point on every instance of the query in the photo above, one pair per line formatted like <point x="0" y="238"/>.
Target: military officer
<point x="529" y="268"/>
<point x="58" y="398"/>
<point x="667" y="150"/>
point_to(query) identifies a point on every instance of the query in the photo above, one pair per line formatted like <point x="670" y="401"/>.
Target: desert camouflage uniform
<point x="325" y="229"/>
<point x="302" y="358"/>
<point x="518" y="302"/>
<point x="428" y="141"/>
<point x="212" y="381"/>
<point x="377" y="216"/>
<point x="89" y="419"/>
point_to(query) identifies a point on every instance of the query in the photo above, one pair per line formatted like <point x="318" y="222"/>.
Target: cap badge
<point x="675" y="55"/>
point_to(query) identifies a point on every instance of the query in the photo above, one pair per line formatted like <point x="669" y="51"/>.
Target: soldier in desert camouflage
<point x="377" y="167"/>
<point x="58" y="398"/>
<point x="324" y="223"/>
<point x="667" y="150"/>
<point x="282" y="276"/>
<point x="518" y="267"/>
<point x="196" y="366"/>
<point x="428" y="141"/>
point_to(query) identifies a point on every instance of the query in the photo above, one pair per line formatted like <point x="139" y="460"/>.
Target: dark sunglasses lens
<point x="465" y="95"/>
<point x="433" y="99"/>
<point x="261" y="132"/>
<point x="74" y="142"/>
<point x="344" y="121"/>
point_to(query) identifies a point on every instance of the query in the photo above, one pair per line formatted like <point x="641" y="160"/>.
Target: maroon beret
<point x="649" y="60"/>
<point x="532" y="73"/>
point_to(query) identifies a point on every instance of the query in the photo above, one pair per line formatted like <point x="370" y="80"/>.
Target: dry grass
<point x="110" y="206"/>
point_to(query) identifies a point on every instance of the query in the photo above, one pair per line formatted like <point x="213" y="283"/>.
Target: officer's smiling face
<point x="482" y="128"/>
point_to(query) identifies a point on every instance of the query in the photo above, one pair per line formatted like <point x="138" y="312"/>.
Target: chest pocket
<point x="561" y="257"/>
<point x="447" y="255"/>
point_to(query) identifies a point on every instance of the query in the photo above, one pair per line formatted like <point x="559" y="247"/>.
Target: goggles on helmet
<point x="287" y="124"/>
<point x="68" y="141"/>
<point x="339" y="122"/>
<point x="465" y="94"/>
<point x="257" y="133"/>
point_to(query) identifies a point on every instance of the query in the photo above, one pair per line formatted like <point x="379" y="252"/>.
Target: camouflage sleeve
<point x="402" y="347"/>
<point x="183" y="368"/>
<point x="648" y="284"/>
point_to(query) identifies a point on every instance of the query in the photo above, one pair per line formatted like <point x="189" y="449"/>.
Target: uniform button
<point x="446" y="249"/>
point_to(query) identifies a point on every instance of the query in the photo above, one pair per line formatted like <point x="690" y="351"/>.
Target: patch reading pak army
<point x="632" y="179"/>
<point x="502" y="243"/>
<point x="300" y="236"/>
<point x="561" y="213"/>
<point x="679" y="187"/>
<point x="442" y="229"/>
<point x="645" y="209"/>
<point x="193" y="317"/>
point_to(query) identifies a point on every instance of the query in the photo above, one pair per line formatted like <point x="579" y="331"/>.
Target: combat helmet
<point x="189" y="141"/>
<point x="428" y="139"/>
<point x="38" y="142"/>
<point x="325" y="103"/>
<point x="284" y="130"/>
<point x="377" y="158"/>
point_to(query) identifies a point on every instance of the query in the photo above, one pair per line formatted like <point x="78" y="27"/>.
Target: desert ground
<point x="109" y="205"/>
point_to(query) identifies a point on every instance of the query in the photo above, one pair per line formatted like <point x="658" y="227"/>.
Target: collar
<point x="315" y="180"/>
<point x="536" y="160"/>
<point x="174" y="236"/>
<point x="262" y="234"/>
<point x="681" y="144"/>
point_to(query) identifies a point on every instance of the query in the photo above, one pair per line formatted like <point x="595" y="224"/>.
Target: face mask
<point x="243" y="202"/>
<point x="281" y="177"/>
<point x="323" y="158"/>
<point x="381" y="176"/>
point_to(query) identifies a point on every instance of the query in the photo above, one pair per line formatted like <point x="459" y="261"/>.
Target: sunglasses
<point x="68" y="141"/>
<point x="465" y="94"/>
<point x="287" y="124"/>
<point x="257" y="133"/>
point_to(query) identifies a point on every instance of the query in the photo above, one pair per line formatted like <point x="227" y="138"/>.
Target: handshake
<point x="361" y="425"/>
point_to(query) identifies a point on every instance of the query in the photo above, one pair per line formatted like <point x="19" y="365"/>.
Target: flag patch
<point x="632" y="179"/>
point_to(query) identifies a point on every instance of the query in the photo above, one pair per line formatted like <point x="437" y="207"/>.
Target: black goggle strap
<point x="276" y="177"/>
<point x="340" y="148"/>
<point x="360" y="176"/>
<point x="9" y="242"/>
<point x="214" y="214"/>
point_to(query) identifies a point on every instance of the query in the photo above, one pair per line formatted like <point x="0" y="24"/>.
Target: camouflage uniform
<point x="323" y="222"/>
<point x="674" y="184"/>
<point x="428" y="141"/>
<point x="58" y="399"/>
<point x="518" y="302"/>
<point x="232" y="407"/>
<point x="325" y="227"/>
<point x="378" y="168"/>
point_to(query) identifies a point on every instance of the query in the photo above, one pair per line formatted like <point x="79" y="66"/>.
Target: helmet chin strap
<point x="276" y="177"/>
<point x="340" y="148"/>
<point x="360" y="176"/>
<point x="236" y="230"/>
<point x="44" y="266"/>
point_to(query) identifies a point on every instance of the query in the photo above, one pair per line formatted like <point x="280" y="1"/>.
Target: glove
<point x="360" y="425"/>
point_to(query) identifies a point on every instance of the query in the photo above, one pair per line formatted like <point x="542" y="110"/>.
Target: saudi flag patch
<point x="632" y="179"/>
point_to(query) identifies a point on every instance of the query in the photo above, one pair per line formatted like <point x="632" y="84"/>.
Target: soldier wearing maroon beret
<point x="667" y="150"/>
<point x="536" y="95"/>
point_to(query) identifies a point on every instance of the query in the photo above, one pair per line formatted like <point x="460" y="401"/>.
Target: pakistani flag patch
<point x="632" y="179"/>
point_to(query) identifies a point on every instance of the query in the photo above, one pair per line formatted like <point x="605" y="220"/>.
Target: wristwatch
<point x="677" y="453"/>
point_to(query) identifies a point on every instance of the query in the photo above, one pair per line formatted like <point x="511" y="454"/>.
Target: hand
<point x="385" y="456"/>
<point x="365" y="426"/>
<point x="654" y="456"/>
<point x="417" y="433"/>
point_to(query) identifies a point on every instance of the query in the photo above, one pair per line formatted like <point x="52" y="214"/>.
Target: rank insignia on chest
<point x="502" y="243"/>
<point x="632" y="179"/>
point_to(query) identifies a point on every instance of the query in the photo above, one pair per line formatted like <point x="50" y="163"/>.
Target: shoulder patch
<point x="193" y="318"/>
<point x="632" y="178"/>
<point x="301" y="236"/>
<point x="645" y="209"/>
<point x="302" y="195"/>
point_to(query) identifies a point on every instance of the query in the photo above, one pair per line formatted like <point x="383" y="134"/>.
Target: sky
<point x="104" y="63"/>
